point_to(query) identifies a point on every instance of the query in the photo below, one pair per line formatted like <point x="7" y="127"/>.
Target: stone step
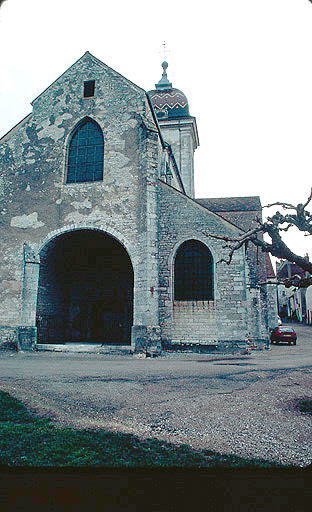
<point x="83" y="347"/>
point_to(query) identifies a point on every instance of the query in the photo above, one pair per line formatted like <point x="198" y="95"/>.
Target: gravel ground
<point x="242" y="405"/>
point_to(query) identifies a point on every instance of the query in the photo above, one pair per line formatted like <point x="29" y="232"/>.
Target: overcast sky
<point x="244" y="65"/>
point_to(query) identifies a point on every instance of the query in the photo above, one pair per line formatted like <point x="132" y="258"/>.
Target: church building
<point x="102" y="239"/>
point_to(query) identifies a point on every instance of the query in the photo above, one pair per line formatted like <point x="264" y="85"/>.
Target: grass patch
<point x="305" y="406"/>
<point x="26" y="440"/>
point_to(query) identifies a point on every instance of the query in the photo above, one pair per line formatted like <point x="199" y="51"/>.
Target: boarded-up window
<point x="193" y="272"/>
<point x="86" y="153"/>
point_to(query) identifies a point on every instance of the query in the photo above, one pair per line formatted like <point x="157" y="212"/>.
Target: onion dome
<point x="168" y="103"/>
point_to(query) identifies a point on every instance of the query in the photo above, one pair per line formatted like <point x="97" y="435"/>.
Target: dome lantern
<point x="164" y="82"/>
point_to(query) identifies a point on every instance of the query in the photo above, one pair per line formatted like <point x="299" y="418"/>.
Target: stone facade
<point x="56" y="235"/>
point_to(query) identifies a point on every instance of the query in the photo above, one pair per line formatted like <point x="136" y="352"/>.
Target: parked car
<point x="283" y="334"/>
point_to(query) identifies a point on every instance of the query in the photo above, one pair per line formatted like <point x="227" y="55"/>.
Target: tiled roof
<point x="169" y="103"/>
<point x="231" y="204"/>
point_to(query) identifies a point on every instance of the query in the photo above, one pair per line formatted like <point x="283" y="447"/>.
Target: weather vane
<point x="164" y="51"/>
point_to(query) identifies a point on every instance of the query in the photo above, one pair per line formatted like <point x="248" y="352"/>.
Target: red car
<point x="284" y="334"/>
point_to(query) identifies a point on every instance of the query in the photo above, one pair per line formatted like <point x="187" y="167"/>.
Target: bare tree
<point x="274" y="226"/>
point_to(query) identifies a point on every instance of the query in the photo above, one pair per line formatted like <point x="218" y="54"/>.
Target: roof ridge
<point x="229" y="204"/>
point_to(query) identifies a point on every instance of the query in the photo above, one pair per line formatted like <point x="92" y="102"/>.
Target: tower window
<point x="88" y="88"/>
<point x="86" y="153"/>
<point x="193" y="272"/>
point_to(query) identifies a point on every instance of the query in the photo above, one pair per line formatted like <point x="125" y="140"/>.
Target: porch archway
<point x="85" y="291"/>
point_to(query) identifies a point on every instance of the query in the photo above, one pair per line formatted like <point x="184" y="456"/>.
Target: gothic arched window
<point x="193" y="272"/>
<point x="86" y="153"/>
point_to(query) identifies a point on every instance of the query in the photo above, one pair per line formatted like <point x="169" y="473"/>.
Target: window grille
<point x="193" y="272"/>
<point x="86" y="153"/>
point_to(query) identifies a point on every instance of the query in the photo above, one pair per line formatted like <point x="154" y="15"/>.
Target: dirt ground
<point x="240" y="404"/>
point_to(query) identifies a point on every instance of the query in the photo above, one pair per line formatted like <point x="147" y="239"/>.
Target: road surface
<point x="242" y="404"/>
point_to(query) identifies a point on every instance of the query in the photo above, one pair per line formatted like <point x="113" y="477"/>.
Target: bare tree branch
<point x="301" y="218"/>
<point x="286" y="206"/>
<point x="310" y="196"/>
<point x="273" y="227"/>
<point x="296" y="281"/>
<point x="239" y="242"/>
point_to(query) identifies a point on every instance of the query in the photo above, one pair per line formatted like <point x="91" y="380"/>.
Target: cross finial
<point x="164" y="51"/>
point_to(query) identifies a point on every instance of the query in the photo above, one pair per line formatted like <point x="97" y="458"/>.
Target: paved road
<point x="243" y="404"/>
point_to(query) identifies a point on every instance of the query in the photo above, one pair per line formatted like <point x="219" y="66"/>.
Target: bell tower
<point x="177" y="126"/>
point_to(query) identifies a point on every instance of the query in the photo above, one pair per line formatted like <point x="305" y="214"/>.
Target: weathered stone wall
<point x="37" y="204"/>
<point x="8" y="338"/>
<point x="194" y="322"/>
<point x="17" y="338"/>
<point x="271" y="305"/>
<point x="213" y="322"/>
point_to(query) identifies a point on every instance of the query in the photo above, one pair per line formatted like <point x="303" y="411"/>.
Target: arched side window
<point x="86" y="153"/>
<point x="193" y="272"/>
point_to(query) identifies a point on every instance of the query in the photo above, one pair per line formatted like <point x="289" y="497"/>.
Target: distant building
<point x="102" y="238"/>
<point x="293" y="303"/>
